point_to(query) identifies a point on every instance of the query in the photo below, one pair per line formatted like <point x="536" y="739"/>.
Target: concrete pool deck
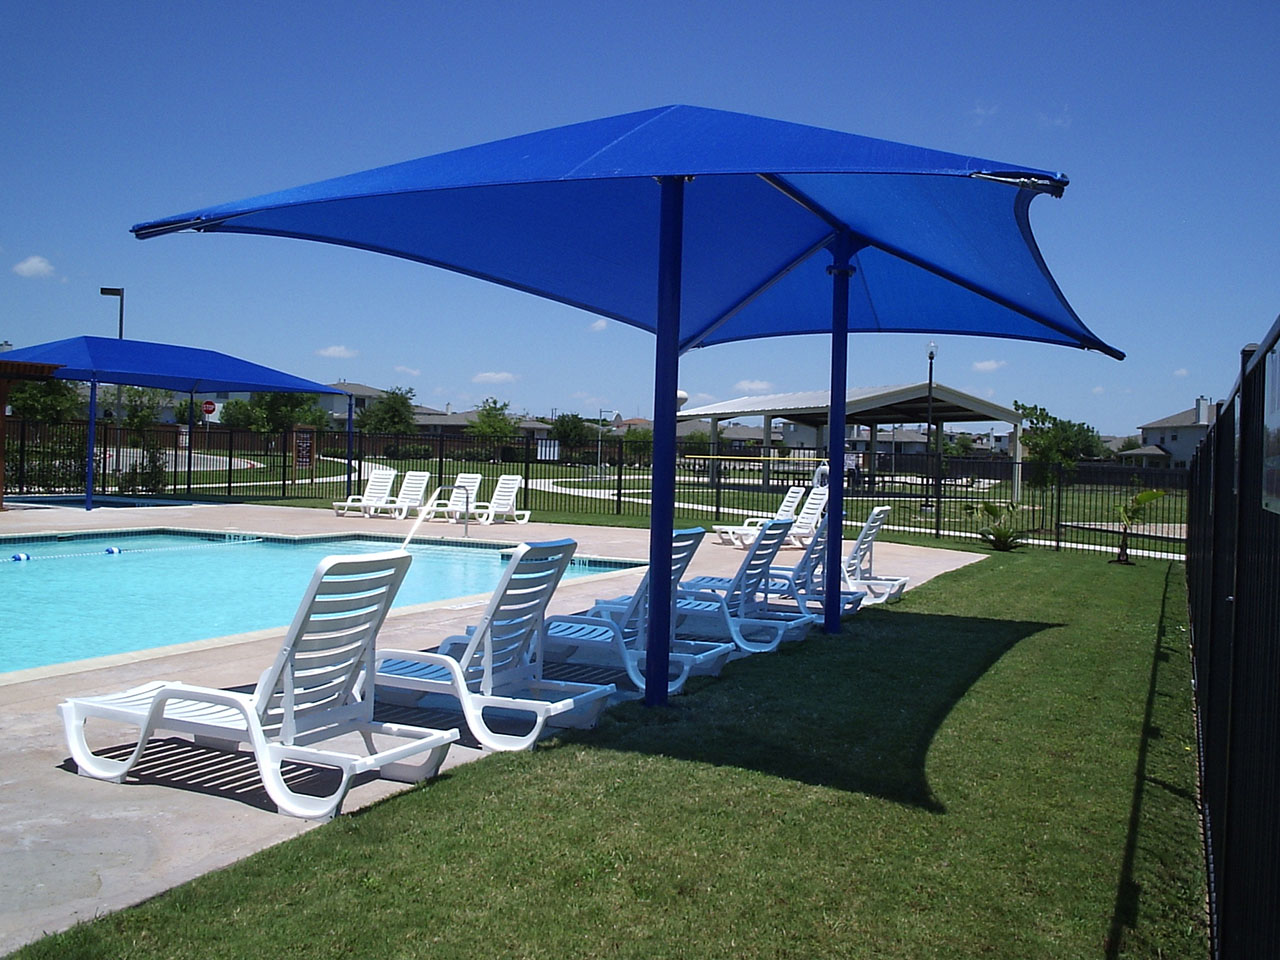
<point x="75" y="848"/>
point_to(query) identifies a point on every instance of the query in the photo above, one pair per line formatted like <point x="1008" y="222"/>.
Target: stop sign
<point x="208" y="407"/>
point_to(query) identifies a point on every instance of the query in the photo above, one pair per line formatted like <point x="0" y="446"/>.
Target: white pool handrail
<point x="466" y="515"/>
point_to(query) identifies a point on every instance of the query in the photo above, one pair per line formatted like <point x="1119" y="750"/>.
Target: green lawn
<point x="1001" y="765"/>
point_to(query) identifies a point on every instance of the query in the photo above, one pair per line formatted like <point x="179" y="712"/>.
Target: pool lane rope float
<point x="234" y="540"/>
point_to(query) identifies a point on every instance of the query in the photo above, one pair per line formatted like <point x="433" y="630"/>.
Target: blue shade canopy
<point x="142" y="364"/>
<point x="943" y="242"/>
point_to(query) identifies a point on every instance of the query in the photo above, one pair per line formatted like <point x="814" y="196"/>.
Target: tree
<point x="45" y="401"/>
<point x="572" y="431"/>
<point x="962" y="446"/>
<point x="1052" y="442"/>
<point x="274" y="412"/>
<point x="390" y="413"/>
<point x="492" y="421"/>
<point x="147" y="472"/>
<point x="187" y="410"/>
<point x="696" y="443"/>
<point x="637" y="445"/>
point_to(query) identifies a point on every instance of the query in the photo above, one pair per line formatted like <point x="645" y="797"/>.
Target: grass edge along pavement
<point x="1001" y="765"/>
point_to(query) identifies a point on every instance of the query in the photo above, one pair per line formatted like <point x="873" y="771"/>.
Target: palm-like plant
<point x="998" y="533"/>
<point x="1129" y="514"/>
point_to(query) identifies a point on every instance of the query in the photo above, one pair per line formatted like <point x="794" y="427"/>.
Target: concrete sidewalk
<point x="75" y="848"/>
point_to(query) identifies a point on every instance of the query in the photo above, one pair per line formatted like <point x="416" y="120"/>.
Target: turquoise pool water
<point x="73" y="600"/>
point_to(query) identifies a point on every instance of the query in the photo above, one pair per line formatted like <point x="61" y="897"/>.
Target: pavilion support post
<point x="767" y="443"/>
<point x="840" y="270"/>
<point x="713" y="468"/>
<point x="869" y="481"/>
<point x="666" y="371"/>
<point x="88" y="465"/>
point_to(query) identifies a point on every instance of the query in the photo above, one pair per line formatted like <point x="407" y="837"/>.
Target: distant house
<point x="449" y="424"/>
<point x="732" y="436"/>
<point x="1170" y="441"/>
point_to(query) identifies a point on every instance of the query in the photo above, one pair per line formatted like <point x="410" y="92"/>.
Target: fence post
<point x="617" y="496"/>
<point x="528" y="466"/>
<point x="22" y="457"/>
<point x="1057" y="511"/>
<point x="440" y="460"/>
<point x="231" y="450"/>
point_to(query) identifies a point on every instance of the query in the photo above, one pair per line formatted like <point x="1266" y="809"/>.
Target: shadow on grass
<point x="856" y="711"/>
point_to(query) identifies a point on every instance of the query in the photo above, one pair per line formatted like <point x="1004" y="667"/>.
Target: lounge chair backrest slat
<point x="859" y="557"/>
<point x="815" y="506"/>
<point x="413" y="488"/>
<point x="635" y="620"/>
<point x="504" y="494"/>
<point x="323" y="673"/>
<point x="465" y="492"/>
<point x="502" y="649"/>
<point x="742" y="597"/>
<point x="791" y="500"/>
<point x="378" y="486"/>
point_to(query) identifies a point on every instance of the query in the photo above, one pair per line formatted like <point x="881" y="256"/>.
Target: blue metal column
<point x="666" y="366"/>
<point x="88" y="467"/>
<point x="841" y="252"/>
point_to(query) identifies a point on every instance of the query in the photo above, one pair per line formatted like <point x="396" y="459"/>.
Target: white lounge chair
<point x="858" y="573"/>
<point x="320" y="687"/>
<point x="503" y="502"/>
<point x="410" y="496"/>
<point x="739" y="611"/>
<point x="802" y="584"/>
<point x="615" y="633"/>
<point x="497" y="665"/>
<point x="459" y="504"/>
<point x="814" y="509"/>
<point x="741" y="534"/>
<point x="377" y="490"/>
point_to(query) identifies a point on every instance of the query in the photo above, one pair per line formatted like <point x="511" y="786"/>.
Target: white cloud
<point x="989" y="392"/>
<point x="753" y="386"/>
<point x="983" y="112"/>
<point x="1099" y="391"/>
<point x="336" y="352"/>
<point x="988" y="366"/>
<point x="494" y="377"/>
<point x="409" y="370"/>
<point x="600" y="324"/>
<point x="34" y="267"/>
<point x="1061" y="120"/>
<point x="702" y="398"/>
<point x="1181" y="372"/>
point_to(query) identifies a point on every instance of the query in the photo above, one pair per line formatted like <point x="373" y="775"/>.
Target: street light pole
<point x="116" y="292"/>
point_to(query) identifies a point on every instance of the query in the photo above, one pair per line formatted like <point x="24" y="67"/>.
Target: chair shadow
<point x="182" y="764"/>
<point x="856" y="711"/>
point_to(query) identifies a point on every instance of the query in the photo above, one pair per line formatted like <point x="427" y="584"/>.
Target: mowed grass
<point x="1000" y="766"/>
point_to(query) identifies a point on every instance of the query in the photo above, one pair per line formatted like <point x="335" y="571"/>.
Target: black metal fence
<point x="1233" y="571"/>
<point x="1058" y="508"/>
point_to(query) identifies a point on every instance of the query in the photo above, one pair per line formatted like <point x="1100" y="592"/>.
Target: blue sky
<point x="1164" y="116"/>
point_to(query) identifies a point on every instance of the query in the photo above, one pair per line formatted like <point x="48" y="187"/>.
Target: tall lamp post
<point x="116" y="292"/>
<point x="928" y="445"/>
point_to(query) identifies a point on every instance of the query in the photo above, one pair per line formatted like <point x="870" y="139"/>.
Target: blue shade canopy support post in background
<point x="666" y="369"/>
<point x="941" y="243"/>
<point x="165" y="366"/>
<point x="841" y="252"/>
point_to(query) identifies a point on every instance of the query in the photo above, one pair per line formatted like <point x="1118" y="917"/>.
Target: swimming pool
<point x="73" y="599"/>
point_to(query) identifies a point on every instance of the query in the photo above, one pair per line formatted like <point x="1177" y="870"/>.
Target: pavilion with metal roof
<point x="935" y="404"/>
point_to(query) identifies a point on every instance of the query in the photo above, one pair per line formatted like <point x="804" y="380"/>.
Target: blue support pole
<point x="88" y="467"/>
<point x="840" y="270"/>
<point x="666" y="366"/>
